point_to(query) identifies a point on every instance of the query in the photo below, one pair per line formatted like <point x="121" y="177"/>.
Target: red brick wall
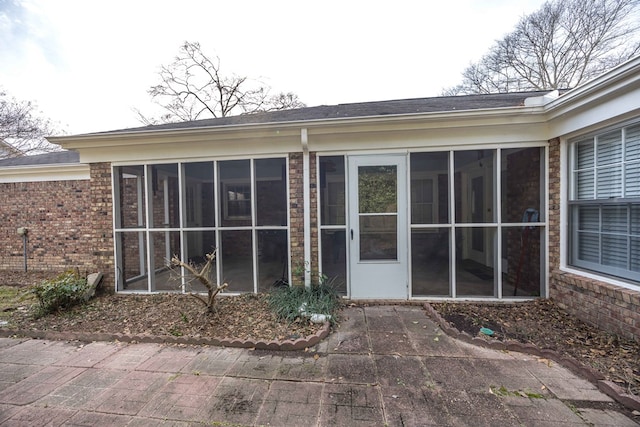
<point x="296" y="206"/>
<point x="100" y="247"/>
<point x="606" y="306"/>
<point x="609" y="307"/>
<point x="56" y="214"/>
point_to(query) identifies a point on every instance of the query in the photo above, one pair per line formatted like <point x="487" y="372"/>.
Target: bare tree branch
<point x="23" y="129"/>
<point x="194" y="87"/>
<point x="201" y="276"/>
<point x="563" y="44"/>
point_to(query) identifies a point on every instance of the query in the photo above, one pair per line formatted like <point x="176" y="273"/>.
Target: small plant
<point x="300" y="269"/>
<point x="290" y="303"/>
<point x="63" y="292"/>
<point x="175" y="331"/>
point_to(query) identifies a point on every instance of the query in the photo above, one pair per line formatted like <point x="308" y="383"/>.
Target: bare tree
<point x="194" y="87"/>
<point x="202" y="276"/>
<point x="23" y="128"/>
<point x="563" y="44"/>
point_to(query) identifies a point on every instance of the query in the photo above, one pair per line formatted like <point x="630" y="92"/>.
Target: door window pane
<point x="378" y="237"/>
<point x="377" y="189"/>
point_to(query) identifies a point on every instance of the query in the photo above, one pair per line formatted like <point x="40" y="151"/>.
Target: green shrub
<point x="64" y="291"/>
<point x="291" y="303"/>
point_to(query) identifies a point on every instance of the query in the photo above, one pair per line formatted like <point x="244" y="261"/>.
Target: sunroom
<point x="444" y="224"/>
<point x="237" y="208"/>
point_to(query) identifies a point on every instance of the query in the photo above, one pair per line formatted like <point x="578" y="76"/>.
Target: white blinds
<point x="605" y="202"/>
<point x="608" y="165"/>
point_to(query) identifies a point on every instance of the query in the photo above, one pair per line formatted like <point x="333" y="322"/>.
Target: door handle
<point x="352" y="234"/>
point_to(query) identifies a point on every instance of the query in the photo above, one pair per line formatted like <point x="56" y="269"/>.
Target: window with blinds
<point x="605" y="202"/>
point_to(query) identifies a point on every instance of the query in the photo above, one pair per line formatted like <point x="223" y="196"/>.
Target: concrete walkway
<point x="385" y="366"/>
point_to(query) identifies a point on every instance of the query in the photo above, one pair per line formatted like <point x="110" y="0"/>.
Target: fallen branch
<point x="202" y="276"/>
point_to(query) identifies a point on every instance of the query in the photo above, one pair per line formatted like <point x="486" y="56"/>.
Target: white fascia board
<point x="41" y="173"/>
<point x="284" y="137"/>
<point x="612" y="97"/>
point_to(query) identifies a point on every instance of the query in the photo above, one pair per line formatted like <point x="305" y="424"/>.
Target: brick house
<point x="491" y="197"/>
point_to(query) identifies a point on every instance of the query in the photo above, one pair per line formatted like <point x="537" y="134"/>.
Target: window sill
<point x="605" y="279"/>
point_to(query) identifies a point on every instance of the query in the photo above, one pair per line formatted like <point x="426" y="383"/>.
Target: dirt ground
<point x="543" y="323"/>
<point x="540" y="322"/>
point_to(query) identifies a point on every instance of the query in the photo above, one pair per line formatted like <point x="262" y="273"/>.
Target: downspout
<point x="306" y="204"/>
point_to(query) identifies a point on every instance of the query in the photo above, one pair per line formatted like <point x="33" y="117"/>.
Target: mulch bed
<point x="547" y="326"/>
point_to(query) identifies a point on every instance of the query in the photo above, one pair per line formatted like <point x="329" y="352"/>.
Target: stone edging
<point x="609" y="388"/>
<point x="287" y="345"/>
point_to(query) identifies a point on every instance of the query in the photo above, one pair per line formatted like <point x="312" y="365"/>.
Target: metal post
<point x="24" y="244"/>
<point x="23" y="231"/>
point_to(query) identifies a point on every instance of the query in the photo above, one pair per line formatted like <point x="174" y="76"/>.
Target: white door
<point x="378" y="227"/>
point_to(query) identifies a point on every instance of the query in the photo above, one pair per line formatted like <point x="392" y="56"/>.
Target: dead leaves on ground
<point x="543" y="323"/>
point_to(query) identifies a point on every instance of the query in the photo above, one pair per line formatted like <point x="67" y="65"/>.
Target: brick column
<point x="101" y="218"/>
<point x="296" y="209"/>
<point x="554" y="205"/>
<point x="296" y="220"/>
<point x="315" y="267"/>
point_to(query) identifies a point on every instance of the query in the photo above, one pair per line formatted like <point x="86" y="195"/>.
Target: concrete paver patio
<point x="384" y="366"/>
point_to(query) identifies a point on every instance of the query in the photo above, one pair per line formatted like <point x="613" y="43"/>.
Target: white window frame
<point x="615" y="275"/>
<point x="145" y="231"/>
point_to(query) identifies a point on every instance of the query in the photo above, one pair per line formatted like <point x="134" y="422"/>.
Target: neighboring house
<point x="491" y="197"/>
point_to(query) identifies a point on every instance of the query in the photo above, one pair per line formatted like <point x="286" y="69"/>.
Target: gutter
<point x="45" y="172"/>
<point x="469" y="117"/>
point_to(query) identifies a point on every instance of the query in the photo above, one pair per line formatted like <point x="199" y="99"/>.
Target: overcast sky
<point x="89" y="63"/>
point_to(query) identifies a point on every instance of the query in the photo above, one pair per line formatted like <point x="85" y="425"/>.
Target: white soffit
<point x="610" y="98"/>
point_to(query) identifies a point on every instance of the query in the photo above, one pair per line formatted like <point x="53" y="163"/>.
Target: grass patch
<point x="503" y="391"/>
<point x="291" y="302"/>
<point x="12" y="298"/>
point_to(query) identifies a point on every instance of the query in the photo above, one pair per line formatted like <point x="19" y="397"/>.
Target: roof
<point x="56" y="157"/>
<point x="362" y="109"/>
<point x="322" y="112"/>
